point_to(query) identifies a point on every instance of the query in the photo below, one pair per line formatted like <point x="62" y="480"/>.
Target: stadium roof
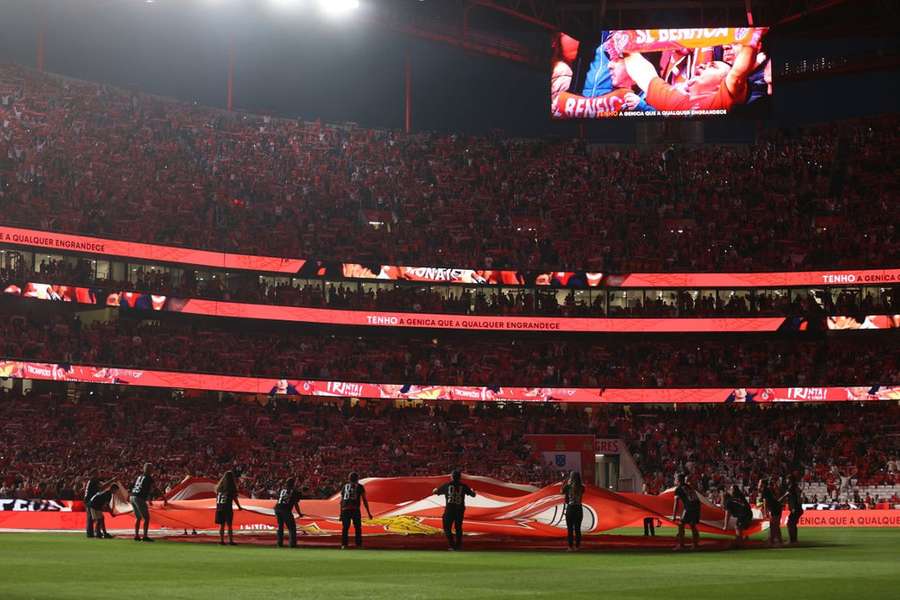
<point x="517" y="30"/>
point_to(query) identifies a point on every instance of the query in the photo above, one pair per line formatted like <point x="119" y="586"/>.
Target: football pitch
<point x="831" y="563"/>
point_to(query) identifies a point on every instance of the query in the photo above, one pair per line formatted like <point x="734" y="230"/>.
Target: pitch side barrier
<point x="49" y="241"/>
<point x="64" y="372"/>
<point x="366" y="318"/>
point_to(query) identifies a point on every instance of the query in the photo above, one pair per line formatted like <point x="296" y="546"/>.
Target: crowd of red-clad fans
<point x="51" y="445"/>
<point x="457" y="299"/>
<point x="89" y="158"/>
<point x="842" y="447"/>
<point x="496" y="360"/>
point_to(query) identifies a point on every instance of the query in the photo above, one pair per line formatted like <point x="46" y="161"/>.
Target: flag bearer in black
<point x="141" y="492"/>
<point x="226" y="499"/>
<point x="795" y="506"/>
<point x="773" y="506"/>
<point x="288" y="501"/>
<point x="573" y="490"/>
<point x="690" y="515"/>
<point x="737" y="506"/>
<point x="99" y="503"/>
<point x="352" y="493"/>
<point x="91" y="487"/>
<point x="455" y="491"/>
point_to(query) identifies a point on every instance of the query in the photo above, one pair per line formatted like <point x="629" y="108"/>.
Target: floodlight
<point x="337" y="8"/>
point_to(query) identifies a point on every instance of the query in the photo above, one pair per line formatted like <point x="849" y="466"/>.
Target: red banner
<point x="406" y="505"/>
<point x="653" y="40"/>
<point x="849" y="518"/>
<point x="573" y="279"/>
<point x="753" y="280"/>
<point x="59" y="242"/>
<point x="17" y="369"/>
<point x="572" y="106"/>
<point x="476" y="322"/>
<point x="331" y="316"/>
<point x="199" y="306"/>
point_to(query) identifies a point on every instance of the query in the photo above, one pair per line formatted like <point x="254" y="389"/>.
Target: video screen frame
<point x="668" y="73"/>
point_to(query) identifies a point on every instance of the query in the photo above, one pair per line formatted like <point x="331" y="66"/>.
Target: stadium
<point x="449" y="298"/>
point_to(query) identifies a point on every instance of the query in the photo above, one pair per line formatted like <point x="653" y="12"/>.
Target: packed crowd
<point x="52" y="444"/>
<point x="285" y="352"/>
<point x="456" y="299"/>
<point x="89" y="158"/>
<point x="840" y="446"/>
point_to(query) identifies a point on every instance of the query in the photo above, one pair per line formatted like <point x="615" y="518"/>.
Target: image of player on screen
<point x="687" y="69"/>
<point x="759" y="82"/>
<point x="713" y="85"/>
<point x="565" y="52"/>
<point x="598" y="97"/>
<point x="863" y="322"/>
<point x="12" y="368"/>
<point x="283" y="387"/>
<point x="875" y="392"/>
<point x="607" y="74"/>
<point x="749" y="396"/>
<point x="635" y="98"/>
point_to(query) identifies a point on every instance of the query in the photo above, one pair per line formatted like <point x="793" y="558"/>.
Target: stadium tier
<point x="498" y="360"/>
<point x="863" y="299"/>
<point x="97" y="160"/>
<point x="318" y="442"/>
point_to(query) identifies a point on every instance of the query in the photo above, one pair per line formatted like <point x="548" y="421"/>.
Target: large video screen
<point x="639" y="73"/>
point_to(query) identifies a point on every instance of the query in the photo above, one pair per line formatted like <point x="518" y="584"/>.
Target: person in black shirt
<point x="288" y="500"/>
<point x="774" y="507"/>
<point x="737" y="506"/>
<point x="455" y="491"/>
<point x="573" y="490"/>
<point x="91" y="487"/>
<point x="99" y="503"/>
<point x="649" y="522"/>
<point x="352" y="493"/>
<point x="141" y="492"/>
<point x="226" y="496"/>
<point x="690" y="502"/>
<point x="795" y="506"/>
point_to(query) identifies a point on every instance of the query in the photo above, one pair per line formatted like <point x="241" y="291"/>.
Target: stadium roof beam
<point x="450" y="21"/>
<point x="482" y="43"/>
<point x="584" y="17"/>
<point x="452" y="28"/>
<point x="539" y="12"/>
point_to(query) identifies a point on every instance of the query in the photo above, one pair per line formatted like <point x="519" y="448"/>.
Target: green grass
<point x="842" y="563"/>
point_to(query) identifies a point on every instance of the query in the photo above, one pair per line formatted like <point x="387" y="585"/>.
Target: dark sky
<point x="298" y="64"/>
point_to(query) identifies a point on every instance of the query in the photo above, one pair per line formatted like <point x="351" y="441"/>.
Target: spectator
<point x="187" y="175"/>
